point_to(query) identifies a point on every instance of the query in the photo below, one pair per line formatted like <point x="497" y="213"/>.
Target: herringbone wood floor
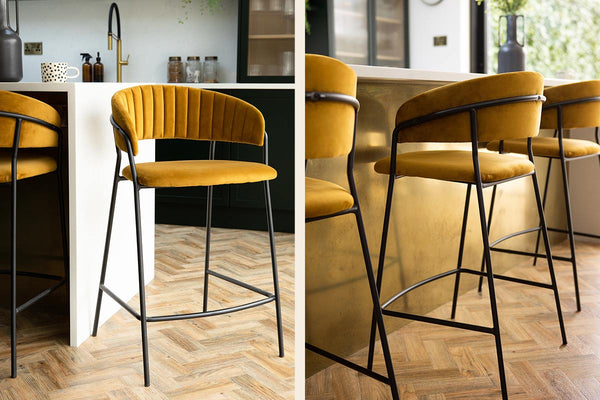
<point x="224" y="357"/>
<point x="435" y="362"/>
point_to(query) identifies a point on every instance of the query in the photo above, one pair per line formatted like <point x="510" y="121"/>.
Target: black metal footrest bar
<point x="529" y="254"/>
<point x="40" y="296"/>
<point x="419" y="284"/>
<point x="438" y="321"/>
<point x="502" y="239"/>
<point x="462" y="271"/>
<point x="575" y="233"/>
<point x="175" y="317"/>
<point x="34" y="275"/>
<point x="240" y="283"/>
<point x="346" y="363"/>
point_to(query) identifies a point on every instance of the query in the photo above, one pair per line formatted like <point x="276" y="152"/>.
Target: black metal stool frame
<point x="141" y="316"/>
<point x="489" y="274"/>
<point x="390" y="379"/>
<point x="563" y="163"/>
<point x="14" y="308"/>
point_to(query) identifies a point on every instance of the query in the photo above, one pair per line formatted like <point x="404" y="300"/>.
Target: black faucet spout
<point x="114" y="7"/>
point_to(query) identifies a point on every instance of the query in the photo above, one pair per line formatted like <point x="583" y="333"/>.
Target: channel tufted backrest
<point x="168" y="112"/>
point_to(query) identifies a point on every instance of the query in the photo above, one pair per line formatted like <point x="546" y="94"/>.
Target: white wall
<point x="150" y="32"/>
<point x="449" y="18"/>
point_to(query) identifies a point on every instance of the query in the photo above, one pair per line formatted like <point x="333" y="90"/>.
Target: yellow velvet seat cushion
<point x="580" y="115"/>
<point x="509" y="121"/>
<point x="186" y="173"/>
<point x="28" y="165"/>
<point x="325" y="198"/>
<point x="548" y="147"/>
<point x="456" y="165"/>
<point x="32" y="134"/>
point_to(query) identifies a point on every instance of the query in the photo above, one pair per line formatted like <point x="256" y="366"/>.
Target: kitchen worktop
<point x="65" y="86"/>
<point x="368" y="73"/>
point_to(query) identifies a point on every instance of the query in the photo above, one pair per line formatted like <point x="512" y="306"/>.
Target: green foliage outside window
<point x="562" y="38"/>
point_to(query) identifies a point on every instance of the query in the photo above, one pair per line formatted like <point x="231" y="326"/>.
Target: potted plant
<point x="209" y="6"/>
<point x="511" y="54"/>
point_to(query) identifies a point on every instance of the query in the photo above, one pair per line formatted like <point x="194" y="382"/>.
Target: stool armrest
<point x="570" y="102"/>
<point x="331" y="96"/>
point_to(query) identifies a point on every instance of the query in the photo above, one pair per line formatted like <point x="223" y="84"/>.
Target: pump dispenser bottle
<point x="86" y="68"/>
<point x="98" y="70"/>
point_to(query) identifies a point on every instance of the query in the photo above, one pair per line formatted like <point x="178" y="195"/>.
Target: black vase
<point x="511" y="55"/>
<point x="11" y="48"/>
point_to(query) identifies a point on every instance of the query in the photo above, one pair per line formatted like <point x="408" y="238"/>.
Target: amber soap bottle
<point x="86" y="68"/>
<point x="98" y="70"/>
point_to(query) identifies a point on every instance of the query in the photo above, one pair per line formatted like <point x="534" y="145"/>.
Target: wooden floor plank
<point x="231" y="356"/>
<point x="434" y="362"/>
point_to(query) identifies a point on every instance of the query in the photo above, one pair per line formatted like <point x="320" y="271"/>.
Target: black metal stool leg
<point x="489" y="224"/>
<point x="377" y="313"/>
<point x="111" y="214"/>
<point x="492" y="292"/>
<point x="209" y="197"/>
<point x="381" y="262"/>
<point x="142" y="289"/>
<point x="563" y="166"/>
<point x="13" y="274"/>
<point x="460" y="250"/>
<point x="549" y="257"/>
<point x="274" y="265"/>
<point x="545" y="195"/>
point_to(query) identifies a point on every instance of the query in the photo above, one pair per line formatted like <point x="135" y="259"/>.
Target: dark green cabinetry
<point x="238" y="206"/>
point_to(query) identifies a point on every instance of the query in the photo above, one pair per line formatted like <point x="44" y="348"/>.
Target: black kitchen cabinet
<point x="238" y="206"/>
<point x="265" y="41"/>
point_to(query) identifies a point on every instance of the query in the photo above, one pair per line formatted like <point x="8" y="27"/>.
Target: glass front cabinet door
<point x="367" y="32"/>
<point x="266" y="41"/>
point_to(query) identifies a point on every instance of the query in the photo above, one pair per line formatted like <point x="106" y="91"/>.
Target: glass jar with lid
<point x="211" y="64"/>
<point x="175" y="70"/>
<point x="193" y="70"/>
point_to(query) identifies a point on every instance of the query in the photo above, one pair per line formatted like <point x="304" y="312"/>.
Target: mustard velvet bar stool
<point x="330" y="127"/>
<point x="179" y="112"/>
<point x="26" y="126"/>
<point x="504" y="106"/>
<point x="575" y="105"/>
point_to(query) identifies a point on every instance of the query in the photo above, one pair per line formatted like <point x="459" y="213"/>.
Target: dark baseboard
<point x="179" y="213"/>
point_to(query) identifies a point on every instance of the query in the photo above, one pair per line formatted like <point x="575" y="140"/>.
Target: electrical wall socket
<point x="33" y="48"/>
<point x="439" y="40"/>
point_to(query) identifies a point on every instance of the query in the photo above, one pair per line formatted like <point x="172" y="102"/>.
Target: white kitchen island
<point x="91" y="162"/>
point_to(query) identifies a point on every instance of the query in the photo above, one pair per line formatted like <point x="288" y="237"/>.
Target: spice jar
<point x="175" y="70"/>
<point x="193" y="70"/>
<point x="211" y="65"/>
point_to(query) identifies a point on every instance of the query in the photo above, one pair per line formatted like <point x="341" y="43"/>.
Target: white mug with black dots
<point x="57" y="72"/>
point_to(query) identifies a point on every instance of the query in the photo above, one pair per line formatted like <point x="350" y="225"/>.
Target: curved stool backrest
<point x="35" y="132"/>
<point x="582" y="109"/>
<point x="506" y="104"/>
<point x="329" y="125"/>
<point x="170" y="112"/>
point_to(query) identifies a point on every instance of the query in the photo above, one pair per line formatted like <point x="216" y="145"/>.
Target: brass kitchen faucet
<point x="111" y="35"/>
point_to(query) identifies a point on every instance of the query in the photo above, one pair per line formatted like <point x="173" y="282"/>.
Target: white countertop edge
<point x="67" y="86"/>
<point x="367" y="73"/>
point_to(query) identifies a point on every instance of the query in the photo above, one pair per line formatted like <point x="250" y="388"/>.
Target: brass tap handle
<point x="126" y="62"/>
